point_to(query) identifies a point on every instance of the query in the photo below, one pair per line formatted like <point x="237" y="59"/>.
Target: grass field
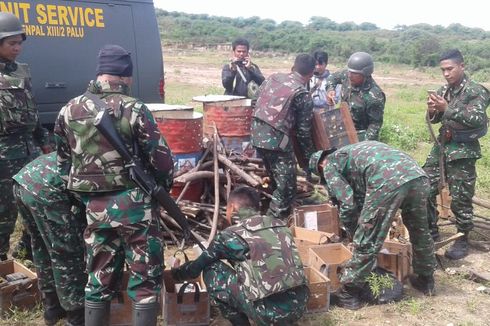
<point x="190" y="73"/>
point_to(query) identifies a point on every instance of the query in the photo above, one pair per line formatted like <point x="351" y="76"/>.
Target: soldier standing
<point x="240" y="72"/>
<point x="365" y="98"/>
<point x="266" y="281"/>
<point x="284" y="105"/>
<point x="122" y="220"/>
<point x="371" y="181"/>
<point x="460" y="106"/>
<point x="20" y="130"/>
<point x="56" y="222"/>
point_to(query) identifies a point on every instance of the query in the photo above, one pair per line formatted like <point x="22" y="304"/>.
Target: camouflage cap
<point x="316" y="158"/>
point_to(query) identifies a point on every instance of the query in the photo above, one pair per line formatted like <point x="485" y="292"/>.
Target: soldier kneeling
<point x="266" y="282"/>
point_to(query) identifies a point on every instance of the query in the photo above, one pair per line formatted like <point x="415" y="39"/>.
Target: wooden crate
<point x="333" y="127"/>
<point x="327" y="259"/>
<point x="305" y="239"/>
<point x="319" y="286"/>
<point x="192" y="310"/>
<point x="23" y="294"/>
<point x="323" y="217"/>
<point x="396" y="257"/>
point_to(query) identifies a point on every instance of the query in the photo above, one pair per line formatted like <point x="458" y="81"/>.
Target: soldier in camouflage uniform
<point x="123" y="222"/>
<point x="284" y="105"/>
<point x="460" y="106"/>
<point x="266" y="281"/>
<point x="56" y="222"/>
<point x="371" y="181"/>
<point x="365" y="98"/>
<point x="20" y="130"/>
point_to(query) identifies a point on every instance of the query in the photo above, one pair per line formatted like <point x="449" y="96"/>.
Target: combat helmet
<point x="10" y="25"/>
<point x="361" y="63"/>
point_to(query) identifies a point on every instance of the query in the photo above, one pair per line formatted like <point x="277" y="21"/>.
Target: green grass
<point x="404" y="124"/>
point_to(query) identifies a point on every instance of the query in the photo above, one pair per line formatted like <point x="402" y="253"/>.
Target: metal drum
<point x="182" y="129"/>
<point x="232" y="116"/>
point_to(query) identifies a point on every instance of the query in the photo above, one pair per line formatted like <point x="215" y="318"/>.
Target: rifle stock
<point x="103" y="123"/>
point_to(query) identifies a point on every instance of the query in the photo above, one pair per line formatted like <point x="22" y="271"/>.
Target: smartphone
<point x="431" y="92"/>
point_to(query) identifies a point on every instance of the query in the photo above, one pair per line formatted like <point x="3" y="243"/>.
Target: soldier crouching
<point x="266" y="282"/>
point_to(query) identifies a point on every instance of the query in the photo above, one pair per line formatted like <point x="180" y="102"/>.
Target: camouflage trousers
<point x="281" y="167"/>
<point x="123" y="228"/>
<point x="56" y="231"/>
<point x="374" y="223"/>
<point x="278" y="309"/>
<point x="8" y="209"/>
<point x="461" y="179"/>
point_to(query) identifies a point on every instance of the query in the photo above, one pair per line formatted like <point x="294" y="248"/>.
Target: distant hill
<point x="417" y="45"/>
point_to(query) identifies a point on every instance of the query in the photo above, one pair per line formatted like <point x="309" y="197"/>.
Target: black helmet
<point x="361" y="63"/>
<point x="10" y="25"/>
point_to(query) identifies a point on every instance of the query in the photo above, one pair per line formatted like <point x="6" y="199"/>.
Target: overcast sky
<point x="384" y="13"/>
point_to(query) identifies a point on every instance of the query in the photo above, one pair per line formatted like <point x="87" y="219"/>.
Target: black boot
<point x="23" y="249"/>
<point x="97" y="313"/>
<point x="459" y="249"/>
<point x="423" y="283"/>
<point x="75" y="317"/>
<point x="349" y="297"/>
<point x="239" y="319"/>
<point x="53" y="312"/>
<point x="3" y="257"/>
<point x="145" y="314"/>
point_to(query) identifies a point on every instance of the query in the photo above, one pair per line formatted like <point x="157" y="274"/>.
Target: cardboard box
<point x="305" y="239"/>
<point x="396" y="257"/>
<point x="327" y="259"/>
<point x="192" y="308"/>
<point x="22" y="294"/>
<point x="323" y="217"/>
<point x="319" y="285"/>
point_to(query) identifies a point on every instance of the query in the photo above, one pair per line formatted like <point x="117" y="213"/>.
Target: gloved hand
<point x="178" y="274"/>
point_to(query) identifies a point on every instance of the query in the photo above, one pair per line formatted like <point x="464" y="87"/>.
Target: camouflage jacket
<point x="20" y="129"/>
<point x="233" y="82"/>
<point x="41" y="178"/>
<point x="367" y="166"/>
<point x="467" y="104"/>
<point x="87" y="161"/>
<point x="366" y="102"/>
<point x="277" y="115"/>
<point x="262" y="251"/>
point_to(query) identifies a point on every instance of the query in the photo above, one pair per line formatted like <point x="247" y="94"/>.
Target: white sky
<point x="384" y="13"/>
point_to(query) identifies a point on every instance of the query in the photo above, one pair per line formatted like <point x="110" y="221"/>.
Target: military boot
<point x="459" y="249"/>
<point x="97" y="313"/>
<point x="75" y="317"/>
<point x="239" y="319"/>
<point x="23" y="249"/>
<point x="53" y="312"/>
<point x="423" y="283"/>
<point x="349" y="297"/>
<point x="145" y="314"/>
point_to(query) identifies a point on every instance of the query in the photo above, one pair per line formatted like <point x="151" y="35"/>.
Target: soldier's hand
<point x="177" y="274"/>
<point x="46" y="149"/>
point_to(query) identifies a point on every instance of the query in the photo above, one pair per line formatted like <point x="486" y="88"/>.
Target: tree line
<point x="417" y="45"/>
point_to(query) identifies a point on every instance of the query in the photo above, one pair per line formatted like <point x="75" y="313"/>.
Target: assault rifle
<point x="103" y="123"/>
